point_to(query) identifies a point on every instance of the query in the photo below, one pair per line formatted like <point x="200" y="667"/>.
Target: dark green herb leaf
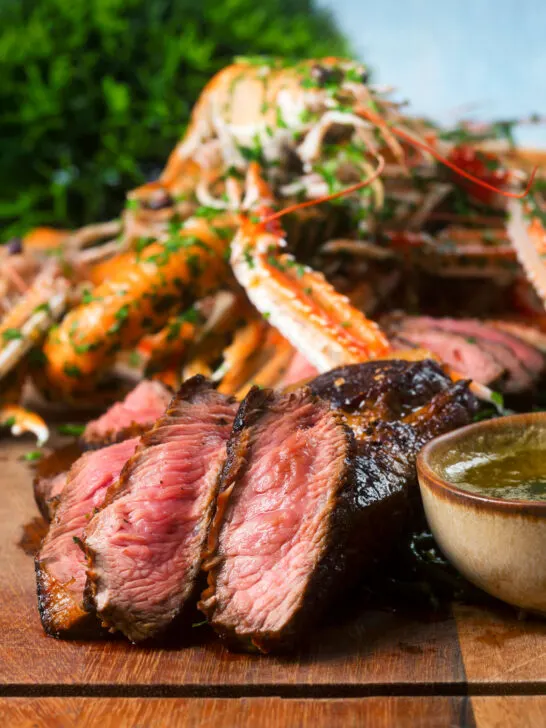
<point x="33" y="455"/>
<point x="11" y="334"/>
<point x="71" y="429"/>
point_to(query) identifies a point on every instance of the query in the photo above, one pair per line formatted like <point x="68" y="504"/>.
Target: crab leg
<point x="140" y="296"/>
<point x="298" y="301"/>
<point x="529" y="240"/>
<point x="27" y="322"/>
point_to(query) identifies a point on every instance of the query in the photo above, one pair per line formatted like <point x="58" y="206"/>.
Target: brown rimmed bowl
<point x="499" y="545"/>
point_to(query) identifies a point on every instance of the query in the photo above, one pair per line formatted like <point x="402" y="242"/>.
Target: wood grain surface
<point x="244" y="713"/>
<point x="434" y="712"/>
<point x="373" y="668"/>
<point x="362" y="654"/>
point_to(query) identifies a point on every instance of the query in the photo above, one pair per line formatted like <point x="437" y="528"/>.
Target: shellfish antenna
<point x="421" y="145"/>
<point x="327" y="198"/>
<point x="476" y="180"/>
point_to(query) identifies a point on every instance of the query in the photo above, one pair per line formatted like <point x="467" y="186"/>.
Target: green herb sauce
<point x="517" y="475"/>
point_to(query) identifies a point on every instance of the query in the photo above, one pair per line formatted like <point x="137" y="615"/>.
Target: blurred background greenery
<point x="95" y="93"/>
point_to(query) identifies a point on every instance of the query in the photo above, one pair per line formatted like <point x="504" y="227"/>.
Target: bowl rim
<point x="436" y="482"/>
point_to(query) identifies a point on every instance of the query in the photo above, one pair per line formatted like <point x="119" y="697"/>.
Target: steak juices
<point x="285" y="500"/>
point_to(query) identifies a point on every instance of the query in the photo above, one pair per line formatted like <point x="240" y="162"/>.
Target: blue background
<point x="484" y="59"/>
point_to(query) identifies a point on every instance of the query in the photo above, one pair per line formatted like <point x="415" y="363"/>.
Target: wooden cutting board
<point x="473" y="667"/>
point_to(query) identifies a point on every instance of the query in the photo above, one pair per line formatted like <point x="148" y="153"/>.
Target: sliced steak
<point x="530" y="358"/>
<point x="51" y="476"/>
<point x="306" y="508"/>
<point x="145" y="545"/>
<point x="459" y="352"/>
<point x="523" y="363"/>
<point x="289" y="460"/>
<point x="387" y="388"/>
<point x="529" y="334"/>
<point x="60" y="563"/>
<point x="299" y="370"/>
<point x="138" y="412"/>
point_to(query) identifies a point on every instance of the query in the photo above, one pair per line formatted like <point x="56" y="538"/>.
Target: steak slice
<point x="60" y="563"/>
<point x="288" y="462"/>
<point x="532" y="336"/>
<point x="137" y="413"/>
<point x="145" y="545"/>
<point x="460" y="352"/>
<point x="523" y="363"/>
<point x="306" y="508"/>
<point x="299" y="370"/>
<point x="51" y="477"/>
<point x="389" y="388"/>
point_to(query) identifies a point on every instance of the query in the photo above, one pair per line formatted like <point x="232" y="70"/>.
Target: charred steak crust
<point x="142" y="621"/>
<point x="390" y="387"/>
<point x="61" y="614"/>
<point x="371" y="501"/>
<point x="60" y="562"/>
<point x="308" y="608"/>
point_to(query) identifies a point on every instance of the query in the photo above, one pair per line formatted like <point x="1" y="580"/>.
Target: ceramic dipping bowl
<point x="497" y="544"/>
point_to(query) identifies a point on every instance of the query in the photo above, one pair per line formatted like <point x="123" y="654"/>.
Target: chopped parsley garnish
<point x="123" y="312"/>
<point x="200" y="624"/>
<point x="33" y="455"/>
<point x="71" y="370"/>
<point x="11" y="334"/>
<point x="70" y="429"/>
<point x="190" y="316"/>
<point x="135" y="359"/>
<point x="275" y="262"/>
<point x="87" y="296"/>
<point x="132" y="205"/>
<point x="42" y="307"/>
<point x="248" y="258"/>
<point x="206" y="212"/>
<point x="497" y="398"/>
<point x="281" y="123"/>
<point x="142" y="243"/>
<point x="8" y="422"/>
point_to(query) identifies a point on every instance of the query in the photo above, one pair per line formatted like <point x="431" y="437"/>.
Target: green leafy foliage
<point x="95" y="93"/>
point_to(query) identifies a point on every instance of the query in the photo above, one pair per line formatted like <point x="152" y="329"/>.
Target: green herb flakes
<point x="11" y="335"/>
<point x="70" y="429"/>
<point x="33" y="455"/>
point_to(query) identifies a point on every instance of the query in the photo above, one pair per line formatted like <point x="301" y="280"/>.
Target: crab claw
<point x="299" y="302"/>
<point x="20" y="421"/>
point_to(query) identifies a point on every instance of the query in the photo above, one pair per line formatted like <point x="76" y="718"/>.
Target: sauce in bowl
<point x="483" y="490"/>
<point x="518" y="474"/>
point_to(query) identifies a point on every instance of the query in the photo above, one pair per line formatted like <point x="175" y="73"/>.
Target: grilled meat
<point x="145" y="544"/>
<point x="490" y="354"/>
<point x="136" y="414"/>
<point x="532" y="336"/>
<point x="309" y="504"/>
<point x="60" y="563"/>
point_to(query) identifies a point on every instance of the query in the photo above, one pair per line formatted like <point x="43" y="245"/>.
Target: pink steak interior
<point x="277" y="520"/>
